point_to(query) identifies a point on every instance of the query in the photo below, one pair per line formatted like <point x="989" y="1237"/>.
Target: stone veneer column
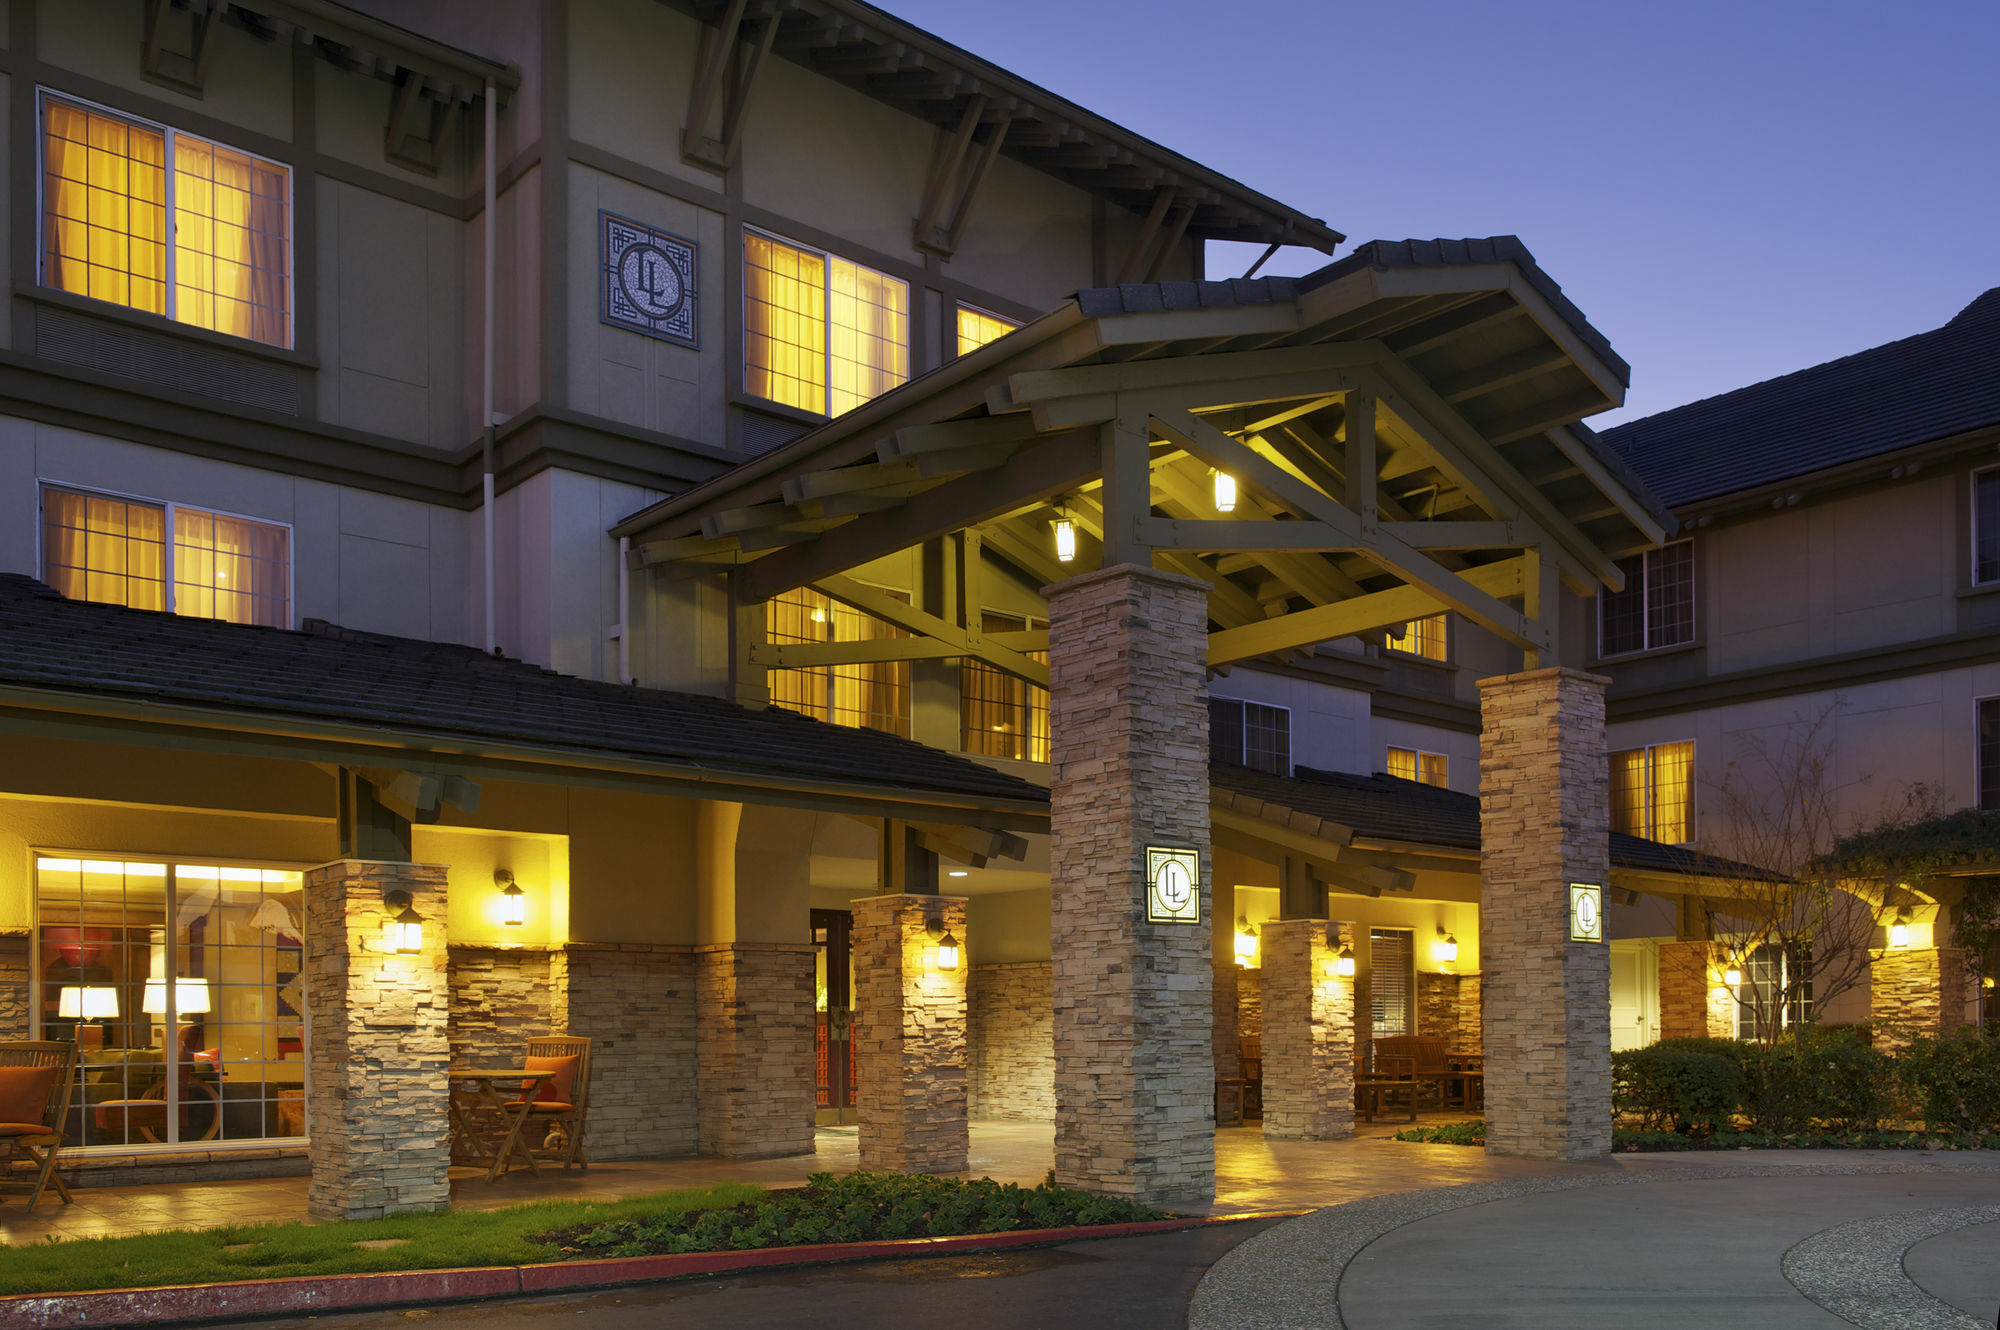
<point x="1010" y="1067"/>
<point x="1918" y="990"/>
<point x="379" y="1116"/>
<point x="1544" y="822"/>
<point x="1308" y="1034"/>
<point x="909" y="1035"/>
<point x="635" y="1001"/>
<point x="1693" y="1000"/>
<point x="1128" y="725"/>
<point x="754" y="1018"/>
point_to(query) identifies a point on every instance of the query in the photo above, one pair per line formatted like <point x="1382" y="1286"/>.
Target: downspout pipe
<point x="486" y="369"/>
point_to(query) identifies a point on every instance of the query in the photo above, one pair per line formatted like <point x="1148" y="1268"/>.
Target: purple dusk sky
<point x="1730" y="191"/>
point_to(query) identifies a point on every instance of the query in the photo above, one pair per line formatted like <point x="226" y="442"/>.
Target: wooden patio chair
<point x="563" y="1112"/>
<point x="36" y="1076"/>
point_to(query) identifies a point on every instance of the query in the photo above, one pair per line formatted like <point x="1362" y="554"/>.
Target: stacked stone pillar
<point x="1128" y="721"/>
<point x="1308" y="1033"/>
<point x="1544" y="821"/>
<point x="1693" y="999"/>
<point x="909" y="1033"/>
<point x="379" y="1112"/>
<point x="1919" y="990"/>
<point x="754" y="1023"/>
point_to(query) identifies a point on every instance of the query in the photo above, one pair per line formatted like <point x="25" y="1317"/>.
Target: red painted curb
<point x="321" y="1293"/>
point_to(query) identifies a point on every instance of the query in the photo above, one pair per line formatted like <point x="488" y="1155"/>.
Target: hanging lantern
<point x="1225" y="492"/>
<point x="1065" y="540"/>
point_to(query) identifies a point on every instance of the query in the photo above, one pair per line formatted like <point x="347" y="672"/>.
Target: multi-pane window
<point x="207" y="242"/>
<point x="873" y="696"/>
<point x="1001" y="715"/>
<point x="1250" y="734"/>
<point x="1652" y="792"/>
<point x="1420" y="637"/>
<point x="1392" y="982"/>
<point x="162" y="556"/>
<point x="976" y="328"/>
<point x="1989" y="752"/>
<point x="820" y="333"/>
<point x="1414" y="764"/>
<point x="183" y="987"/>
<point x="1656" y="608"/>
<point x="1774" y="996"/>
<point x="1986" y="525"/>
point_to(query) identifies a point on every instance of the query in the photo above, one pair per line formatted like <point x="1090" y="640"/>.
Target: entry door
<point x="1634" y="994"/>
<point x="833" y="1043"/>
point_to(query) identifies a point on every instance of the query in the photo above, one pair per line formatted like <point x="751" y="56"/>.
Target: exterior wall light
<point x="1225" y="492"/>
<point x="1446" y="946"/>
<point x="1899" y="932"/>
<point x="947" y="945"/>
<point x="513" y="901"/>
<point x="406" y="928"/>
<point x="1246" y="941"/>
<point x="1732" y="977"/>
<point x="1065" y="540"/>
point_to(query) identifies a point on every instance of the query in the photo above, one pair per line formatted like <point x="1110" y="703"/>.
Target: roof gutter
<point x="1025" y="814"/>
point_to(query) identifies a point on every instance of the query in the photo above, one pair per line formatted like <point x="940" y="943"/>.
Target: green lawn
<point x="275" y="1251"/>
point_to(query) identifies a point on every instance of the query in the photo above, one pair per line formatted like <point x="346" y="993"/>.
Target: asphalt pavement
<point x="1101" y="1284"/>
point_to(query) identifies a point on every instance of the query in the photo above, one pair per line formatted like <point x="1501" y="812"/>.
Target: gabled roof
<point x="410" y="693"/>
<point x="1389" y="808"/>
<point x="1902" y="394"/>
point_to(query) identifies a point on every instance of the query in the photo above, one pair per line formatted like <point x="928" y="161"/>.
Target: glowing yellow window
<point x="873" y="695"/>
<point x="1411" y="764"/>
<point x="1420" y="637"/>
<point x="820" y="333"/>
<point x="154" y="556"/>
<point x="976" y="328"/>
<point x="1652" y="792"/>
<point x="209" y="245"/>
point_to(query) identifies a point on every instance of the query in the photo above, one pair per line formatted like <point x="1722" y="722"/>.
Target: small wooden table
<point x="1370" y="1095"/>
<point x="473" y="1092"/>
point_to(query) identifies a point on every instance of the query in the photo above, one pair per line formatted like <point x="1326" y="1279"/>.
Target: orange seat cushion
<point x="25" y="1129"/>
<point x="550" y="1106"/>
<point x="24" y="1093"/>
<point x="560" y="1087"/>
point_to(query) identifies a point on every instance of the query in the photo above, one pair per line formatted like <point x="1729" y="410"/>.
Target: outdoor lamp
<point x="947" y="945"/>
<point x="513" y="901"/>
<point x="1343" y="963"/>
<point x="1246" y="941"/>
<point x="1733" y="977"/>
<point x="1899" y="932"/>
<point x="1065" y="540"/>
<point x="406" y="929"/>
<point x="87" y="1002"/>
<point x="191" y="997"/>
<point x="1446" y="946"/>
<point x="1225" y="492"/>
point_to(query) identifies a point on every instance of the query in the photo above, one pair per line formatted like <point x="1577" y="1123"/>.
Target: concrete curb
<point x="208" y="1303"/>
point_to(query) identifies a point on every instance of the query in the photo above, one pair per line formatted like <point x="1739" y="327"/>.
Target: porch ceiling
<point x="1452" y="375"/>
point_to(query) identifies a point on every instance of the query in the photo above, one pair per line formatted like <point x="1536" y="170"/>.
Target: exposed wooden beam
<point x="810" y="655"/>
<point x="1170" y="239"/>
<point x="913" y="620"/>
<point x="1433" y="333"/>
<point x="848" y="480"/>
<point x="1501" y="373"/>
<point x="1354" y="617"/>
<point x="647" y="553"/>
<point x="950" y="435"/>
<point x="1029" y="386"/>
<point x="1142" y="244"/>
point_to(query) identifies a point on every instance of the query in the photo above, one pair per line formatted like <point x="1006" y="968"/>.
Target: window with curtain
<point x="1652" y="792"/>
<point x="1656" y="608"/>
<point x="1001" y="715"/>
<point x="1420" y="637"/>
<point x="976" y="328"/>
<point x="162" y="556"/>
<point x="873" y="696"/>
<point x="820" y="333"/>
<point x="206" y="243"/>
<point x="1414" y="764"/>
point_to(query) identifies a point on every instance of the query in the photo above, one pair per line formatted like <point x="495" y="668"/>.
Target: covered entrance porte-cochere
<point x="1191" y="475"/>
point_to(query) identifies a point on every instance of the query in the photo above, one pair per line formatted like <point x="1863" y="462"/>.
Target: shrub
<point x="1954" y="1081"/>
<point x="1670" y="1086"/>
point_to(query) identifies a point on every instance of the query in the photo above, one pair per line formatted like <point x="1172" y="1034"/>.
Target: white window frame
<point x="1978" y="772"/>
<point x="43" y="485"/>
<point x="1972" y="526"/>
<point x="1646" y="786"/>
<point x="43" y="95"/>
<point x="1421" y="754"/>
<point x="1646" y="609"/>
<point x="1243" y="734"/>
<point x="826" y="327"/>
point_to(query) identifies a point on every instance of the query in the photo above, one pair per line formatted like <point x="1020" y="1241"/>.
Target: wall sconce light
<point x="947" y="945"/>
<point x="513" y="901"/>
<point x="1225" y="492"/>
<point x="87" y="1002"/>
<point x="1246" y="941"/>
<point x="1732" y="977"/>
<point x="406" y="928"/>
<point x="1065" y="540"/>
<point x="1343" y="963"/>
<point x="1446" y="946"/>
<point x="1899" y="932"/>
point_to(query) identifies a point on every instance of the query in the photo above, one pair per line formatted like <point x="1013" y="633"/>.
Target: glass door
<point x="833" y="1043"/>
